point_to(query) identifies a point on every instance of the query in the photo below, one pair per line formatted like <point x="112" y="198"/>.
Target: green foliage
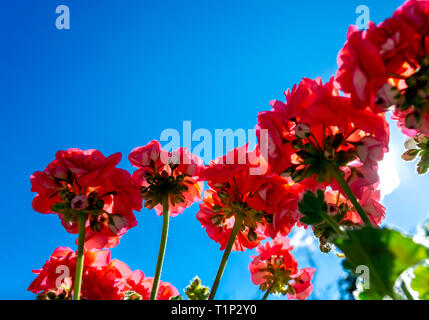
<point x="420" y="283"/>
<point x="132" y="295"/>
<point x="313" y="207"/>
<point x="196" y="291"/>
<point x="387" y="254"/>
<point x="418" y="147"/>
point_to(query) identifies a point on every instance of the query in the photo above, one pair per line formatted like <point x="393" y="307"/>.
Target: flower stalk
<point x="162" y="247"/>
<point x="80" y="256"/>
<point x="336" y="173"/>
<point x="269" y="290"/>
<point x="232" y="237"/>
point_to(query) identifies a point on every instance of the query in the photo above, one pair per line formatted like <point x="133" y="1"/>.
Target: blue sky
<point x="127" y="70"/>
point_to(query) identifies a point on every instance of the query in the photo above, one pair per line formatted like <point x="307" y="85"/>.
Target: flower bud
<point x="410" y="155"/>
<point x="117" y="223"/>
<point x="252" y="236"/>
<point x="410" y="143"/>
<point x="386" y="96"/>
<point x="302" y="131"/>
<point x="79" y="202"/>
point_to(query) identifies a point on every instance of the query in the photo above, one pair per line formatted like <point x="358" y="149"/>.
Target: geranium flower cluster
<point x="86" y="186"/>
<point x="167" y="173"/>
<point x="103" y="278"/>
<point x="265" y="204"/>
<point x="275" y="270"/>
<point x="387" y="67"/>
<point x="316" y="130"/>
<point x="324" y="144"/>
<point x="89" y="183"/>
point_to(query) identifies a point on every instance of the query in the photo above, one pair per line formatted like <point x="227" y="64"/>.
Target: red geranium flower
<point x="103" y="279"/>
<point x="143" y="286"/>
<point x="86" y="181"/>
<point x="267" y="202"/>
<point x="275" y="269"/>
<point x="174" y="172"/>
<point x="317" y="122"/>
<point x="362" y="71"/>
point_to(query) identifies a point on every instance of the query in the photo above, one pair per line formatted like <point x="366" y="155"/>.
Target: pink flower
<point x="369" y="200"/>
<point x="302" y="286"/>
<point x="147" y="156"/>
<point x="371" y="150"/>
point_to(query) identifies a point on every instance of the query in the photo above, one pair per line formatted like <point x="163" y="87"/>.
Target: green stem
<point x="336" y="172"/>
<point x="406" y="291"/>
<point x="80" y="256"/>
<point x="234" y="232"/>
<point x="397" y="76"/>
<point x="333" y="224"/>
<point x="162" y="246"/>
<point x="267" y="293"/>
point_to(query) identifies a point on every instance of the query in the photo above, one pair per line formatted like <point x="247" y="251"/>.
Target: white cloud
<point x="389" y="177"/>
<point x="303" y="238"/>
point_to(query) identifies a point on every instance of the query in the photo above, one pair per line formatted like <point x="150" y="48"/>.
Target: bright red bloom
<point x="108" y="283"/>
<point x="219" y="229"/>
<point x="268" y="202"/>
<point x="301" y="284"/>
<point x="276" y="269"/>
<point x="143" y="286"/>
<point x="315" y="114"/>
<point x="86" y="181"/>
<point x="387" y="66"/>
<point x="416" y="13"/>
<point x="155" y="165"/>
<point x="408" y="126"/>
<point x="362" y="71"/>
<point x="103" y="278"/>
<point x="397" y="42"/>
<point x="75" y="167"/>
<point x="369" y="200"/>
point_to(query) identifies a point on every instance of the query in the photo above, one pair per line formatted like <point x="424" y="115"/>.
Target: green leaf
<point x="410" y="155"/>
<point x="421" y="282"/>
<point x="423" y="164"/>
<point x="387" y="253"/>
<point x="196" y="291"/>
<point x="313" y="207"/>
